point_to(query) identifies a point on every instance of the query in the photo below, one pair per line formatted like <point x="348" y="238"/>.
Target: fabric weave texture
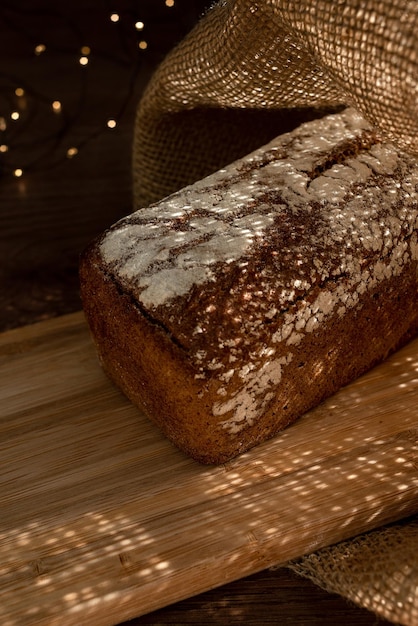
<point x="252" y="69"/>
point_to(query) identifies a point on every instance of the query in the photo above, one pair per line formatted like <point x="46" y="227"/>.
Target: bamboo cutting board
<point x="102" y="519"/>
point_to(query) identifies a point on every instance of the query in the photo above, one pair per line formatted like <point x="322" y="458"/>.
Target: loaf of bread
<point x="233" y="306"/>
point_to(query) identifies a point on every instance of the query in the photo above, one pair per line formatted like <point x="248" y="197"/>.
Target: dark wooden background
<point x="53" y="210"/>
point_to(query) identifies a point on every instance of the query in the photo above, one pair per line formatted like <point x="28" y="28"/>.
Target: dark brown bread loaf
<point x="232" y="307"/>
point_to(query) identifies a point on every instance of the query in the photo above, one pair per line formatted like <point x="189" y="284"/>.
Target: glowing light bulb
<point x="169" y="3"/>
<point x="15" y="115"/>
<point x="85" y="50"/>
<point x="143" y="45"/>
<point x="71" y="152"/>
<point x="39" y="49"/>
<point x="139" y="25"/>
<point x="83" y="60"/>
<point x="19" y="92"/>
<point x="114" y="17"/>
<point x="3" y="147"/>
<point x="18" y="172"/>
<point x="56" y="106"/>
<point x="111" y="123"/>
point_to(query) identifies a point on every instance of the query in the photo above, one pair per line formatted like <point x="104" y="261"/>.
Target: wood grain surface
<point x="103" y="519"/>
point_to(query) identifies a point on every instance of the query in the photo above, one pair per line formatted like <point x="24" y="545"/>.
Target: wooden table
<point x="103" y="518"/>
<point x="46" y="219"/>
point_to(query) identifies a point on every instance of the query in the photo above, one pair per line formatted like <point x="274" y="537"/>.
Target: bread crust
<point x="313" y="290"/>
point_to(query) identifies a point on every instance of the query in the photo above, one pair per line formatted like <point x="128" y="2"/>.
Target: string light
<point x="25" y="112"/>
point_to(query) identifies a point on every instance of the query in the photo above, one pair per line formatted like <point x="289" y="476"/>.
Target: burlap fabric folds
<point x="377" y="570"/>
<point x="254" y="68"/>
<point x="250" y="70"/>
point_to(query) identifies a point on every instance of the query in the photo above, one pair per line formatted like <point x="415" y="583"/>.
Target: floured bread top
<point x="238" y="267"/>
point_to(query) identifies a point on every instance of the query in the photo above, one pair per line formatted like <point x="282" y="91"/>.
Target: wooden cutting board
<point x="102" y="519"/>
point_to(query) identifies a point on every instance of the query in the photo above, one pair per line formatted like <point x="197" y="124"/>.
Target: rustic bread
<point x="232" y="307"/>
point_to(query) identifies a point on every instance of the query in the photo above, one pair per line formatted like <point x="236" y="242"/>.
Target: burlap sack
<point x="247" y="72"/>
<point x="252" y="69"/>
<point x="377" y="570"/>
